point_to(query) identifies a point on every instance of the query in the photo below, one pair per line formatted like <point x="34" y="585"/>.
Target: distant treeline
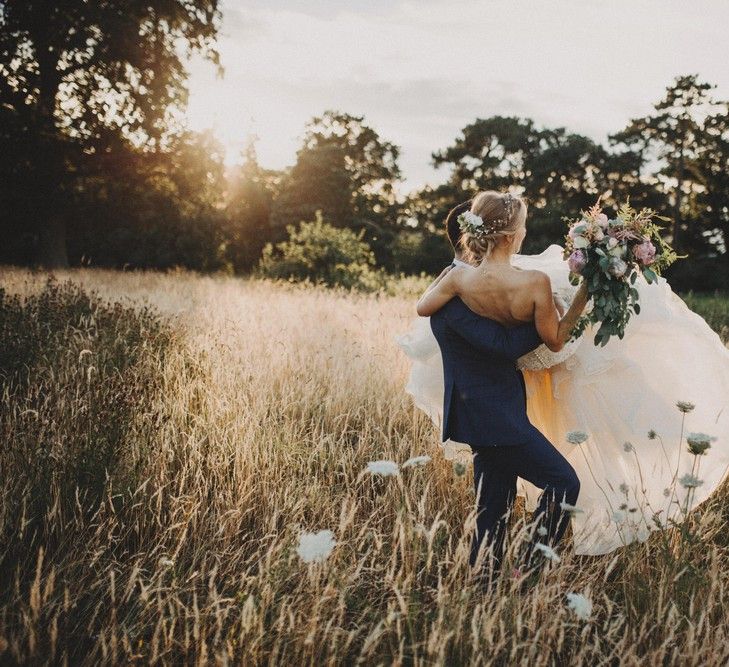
<point x="96" y="170"/>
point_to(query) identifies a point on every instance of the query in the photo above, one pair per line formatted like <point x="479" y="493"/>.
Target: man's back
<point x="485" y="395"/>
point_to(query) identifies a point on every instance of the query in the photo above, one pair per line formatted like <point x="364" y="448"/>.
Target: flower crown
<point x="474" y="224"/>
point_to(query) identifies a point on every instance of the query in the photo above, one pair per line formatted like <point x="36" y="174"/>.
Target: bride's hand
<point x="437" y="294"/>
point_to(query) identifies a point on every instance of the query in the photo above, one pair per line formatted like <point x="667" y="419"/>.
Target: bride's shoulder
<point x="535" y="277"/>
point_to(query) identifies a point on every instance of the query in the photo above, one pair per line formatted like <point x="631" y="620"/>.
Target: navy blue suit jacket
<point x="485" y="396"/>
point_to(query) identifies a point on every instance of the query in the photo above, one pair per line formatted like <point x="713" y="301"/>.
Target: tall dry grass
<point x="242" y="418"/>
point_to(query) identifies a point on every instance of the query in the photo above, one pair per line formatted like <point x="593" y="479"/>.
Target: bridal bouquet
<point x="608" y="254"/>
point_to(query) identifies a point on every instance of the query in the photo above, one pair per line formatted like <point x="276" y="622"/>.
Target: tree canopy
<point x="78" y="79"/>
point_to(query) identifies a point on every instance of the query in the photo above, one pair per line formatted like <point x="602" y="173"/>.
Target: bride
<point x="628" y="416"/>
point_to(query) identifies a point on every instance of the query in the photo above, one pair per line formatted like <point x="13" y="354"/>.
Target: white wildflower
<point x="315" y="546"/>
<point x="580" y="605"/>
<point x="416" y="461"/>
<point x="576" y="437"/>
<point x="383" y="467"/>
<point x="566" y="507"/>
<point x="690" y="481"/>
<point x="542" y="531"/>
<point x="547" y="551"/>
<point x="698" y="443"/>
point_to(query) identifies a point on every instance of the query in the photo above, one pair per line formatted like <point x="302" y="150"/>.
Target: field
<point x="166" y="438"/>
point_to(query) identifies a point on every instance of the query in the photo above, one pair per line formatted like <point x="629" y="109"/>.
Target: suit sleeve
<point x="491" y="337"/>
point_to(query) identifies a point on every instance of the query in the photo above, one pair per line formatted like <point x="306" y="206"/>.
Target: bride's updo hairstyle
<point x="502" y="214"/>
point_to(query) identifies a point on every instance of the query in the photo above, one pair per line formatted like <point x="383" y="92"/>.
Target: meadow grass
<point x="166" y="438"/>
<point x="714" y="308"/>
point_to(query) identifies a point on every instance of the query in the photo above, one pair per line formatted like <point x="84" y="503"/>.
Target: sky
<point x="420" y="71"/>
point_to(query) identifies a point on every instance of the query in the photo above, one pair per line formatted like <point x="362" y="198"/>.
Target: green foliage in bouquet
<point x="608" y="254"/>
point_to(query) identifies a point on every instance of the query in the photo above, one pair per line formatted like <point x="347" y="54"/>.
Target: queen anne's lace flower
<point x="580" y="605"/>
<point x="698" y="443"/>
<point x="548" y="552"/>
<point x="316" y="546"/>
<point x="416" y="461"/>
<point x="383" y="467"/>
<point x="690" y="481"/>
<point x="576" y="437"/>
<point x="572" y="509"/>
<point x="459" y="468"/>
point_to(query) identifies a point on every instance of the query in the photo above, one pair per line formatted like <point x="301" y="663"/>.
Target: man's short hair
<point x="452" y="227"/>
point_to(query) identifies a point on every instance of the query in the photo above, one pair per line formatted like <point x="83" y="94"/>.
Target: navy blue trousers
<point x="495" y="470"/>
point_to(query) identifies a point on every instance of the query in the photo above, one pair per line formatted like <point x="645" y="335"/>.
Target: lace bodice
<point x="542" y="357"/>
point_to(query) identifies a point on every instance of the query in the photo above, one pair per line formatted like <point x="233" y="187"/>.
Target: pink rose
<point x="576" y="261"/>
<point x="645" y="253"/>
<point x="601" y="219"/>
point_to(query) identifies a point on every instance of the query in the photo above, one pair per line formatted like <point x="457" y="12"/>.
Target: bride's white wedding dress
<point x="623" y="396"/>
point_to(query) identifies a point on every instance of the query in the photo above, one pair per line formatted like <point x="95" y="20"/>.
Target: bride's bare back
<point x="507" y="295"/>
<point x="502" y="293"/>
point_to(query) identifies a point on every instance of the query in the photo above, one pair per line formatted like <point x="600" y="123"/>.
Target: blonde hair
<point x="502" y="214"/>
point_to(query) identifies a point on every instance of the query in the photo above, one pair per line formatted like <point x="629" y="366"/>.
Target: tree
<point x="558" y="172"/>
<point x="248" y="210"/>
<point x="490" y="153"/>
<point x="713" y="166"/>
<point x="348" y="172"/>
<point x="159" y="209"/>
<point x="75" y="76"/>
<point x="673" y="136"/>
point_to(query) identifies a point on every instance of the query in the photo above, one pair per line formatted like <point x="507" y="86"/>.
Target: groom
<point x="485" y="407"/>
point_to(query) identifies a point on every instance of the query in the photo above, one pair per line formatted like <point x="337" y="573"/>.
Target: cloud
<point x="420" y="71"/>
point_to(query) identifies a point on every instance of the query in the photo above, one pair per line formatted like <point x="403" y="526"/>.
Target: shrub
<point x="415" y="252"/>
<point x="322" y="253"/>
<point x="703" y="274"/>
<point x="713" y="308"/>
<point x="77" y="375"/>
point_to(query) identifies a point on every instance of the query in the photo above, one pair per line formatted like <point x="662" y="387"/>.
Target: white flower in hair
<point x="471" y="219"/>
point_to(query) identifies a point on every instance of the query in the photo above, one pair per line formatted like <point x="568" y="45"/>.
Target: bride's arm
<point x="438" y="294"/>
<point x="559" y="304"/>
<point x="553" y="329"/>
